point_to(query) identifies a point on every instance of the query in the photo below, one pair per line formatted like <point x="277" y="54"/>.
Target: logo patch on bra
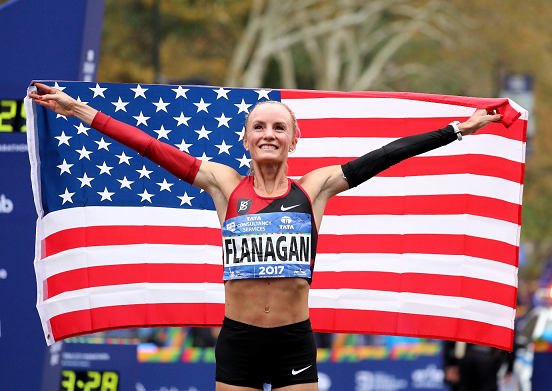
<point x="244" y="204"/>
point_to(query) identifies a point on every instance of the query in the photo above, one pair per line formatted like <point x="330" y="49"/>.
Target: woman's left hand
<point x="479" y="119"/>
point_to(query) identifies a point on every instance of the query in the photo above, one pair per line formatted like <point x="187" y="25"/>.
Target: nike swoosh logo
<point x="294" y="372"/>
<point x="289" y="207"/>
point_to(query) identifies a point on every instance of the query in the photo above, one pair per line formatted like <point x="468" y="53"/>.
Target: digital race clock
<point x="12" y="116"/>
<point x="89" y="381"/>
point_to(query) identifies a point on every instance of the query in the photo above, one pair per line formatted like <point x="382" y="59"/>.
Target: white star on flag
<point x="181" y="92"/>
<point x="102" y="144"/>
<point x="139" y="91"/>
<point x="203" y="133"/>
<point x="244" y="161"/>
<point x="183" y="146"/>
<point x="243" y="107"/>
<point x="66" y="197"/>
<point x="182" y="119"/>
<point x="185" y="199"/>
<point x="63" y="139"/>
<point x="263" y="94"/>
<point x="165" y="185"/>
<point x="125" y="183"/>
<point x="204" y="157"/>
<point x="162" y="133"/>
<point x="124" y="158"/>
<point x="224" y="148"/>
<point x="81" y="129"/>
<point x="105" y="169"/>
<point x="202" y="106"/>
<point x="120" y="105"/>
<point x="144" y="172"/>
<point x="65" y="167"/>
<point x="161" y="105"/>
<point x="222" y="120"/>
<point x="85" y="181"/>
<point x="83" y="153"/>
<point x="221" y="92"/>
<point x="146" y="196"/>
<point x="241" y="134"/>
<point x="57" y="87"/>
<point x="98" y="91"/>
<point x="106" y="195"/>
<point x="141" y="119"/>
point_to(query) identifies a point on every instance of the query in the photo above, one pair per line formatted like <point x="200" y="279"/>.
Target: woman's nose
<point x="269" y="133"/>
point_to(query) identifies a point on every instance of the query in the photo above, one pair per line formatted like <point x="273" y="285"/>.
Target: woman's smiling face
<point x="270" y="133"/>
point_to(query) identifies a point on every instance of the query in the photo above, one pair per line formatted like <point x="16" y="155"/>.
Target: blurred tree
<point x="196" y="39"/>
<point x="335" y="45"/>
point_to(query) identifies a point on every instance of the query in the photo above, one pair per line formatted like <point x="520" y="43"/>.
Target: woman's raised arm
<point x="217" y="179"/>
<point x="324" y="183"/>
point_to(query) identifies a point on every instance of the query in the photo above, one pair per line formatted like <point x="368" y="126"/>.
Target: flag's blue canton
<point x="81" y="167"/>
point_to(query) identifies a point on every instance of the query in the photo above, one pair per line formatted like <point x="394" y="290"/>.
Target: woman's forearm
<point x="84" y="112"/>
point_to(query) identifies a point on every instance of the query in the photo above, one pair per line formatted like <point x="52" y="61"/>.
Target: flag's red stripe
<point x="366" y="243"/>
<point x="509" y="114"/>
<point x="424" y="165"/>
<point x="430" y="284"/>
<point x="394" y="127"/>
<point x="410" y="325"/>
<point x="82" y="322"/>
<point x="132" y="274"/>
<point x="127" y="234"/>
<point x="448" y="204"/>
<point x="433" y="284"/>
<point x="326" y="320"/>
<point x="420" y="244"/>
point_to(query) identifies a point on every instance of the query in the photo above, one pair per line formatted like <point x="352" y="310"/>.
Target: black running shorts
<point x="249" y="356"/>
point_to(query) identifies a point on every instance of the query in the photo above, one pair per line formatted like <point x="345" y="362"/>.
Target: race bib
<point x="267" y="245"/>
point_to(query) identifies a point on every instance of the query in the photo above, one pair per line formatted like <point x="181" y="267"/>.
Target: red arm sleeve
<point x="170" y="158"/>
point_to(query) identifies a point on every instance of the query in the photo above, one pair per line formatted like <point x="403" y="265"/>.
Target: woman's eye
<point x="257" y="127"/>
<point x="280" y="128"/>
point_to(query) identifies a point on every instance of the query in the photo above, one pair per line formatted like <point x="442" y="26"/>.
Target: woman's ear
<point x="293" y="145"/>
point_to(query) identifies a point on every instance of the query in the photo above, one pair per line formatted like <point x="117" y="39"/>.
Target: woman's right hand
<point x="61" y="103"/>
<point x="54" y="99"/>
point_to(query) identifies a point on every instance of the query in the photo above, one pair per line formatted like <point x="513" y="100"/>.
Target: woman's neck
<point x="270" y="180"/>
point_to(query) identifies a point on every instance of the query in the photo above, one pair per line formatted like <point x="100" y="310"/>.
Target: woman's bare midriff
<point x="267" y="302"/>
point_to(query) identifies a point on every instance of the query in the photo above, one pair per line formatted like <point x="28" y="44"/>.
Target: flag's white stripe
<point x="91" y="216"/>
<point x="477" y="226"/>
<point x="84" y="257"/>
<point x="450" y="265"/>
<point x="453" y="265"/>
<point x="413" y="303"/>
<point x="129" y="294"/>
<point x="464" y="224"/>
<point x="482" y="144"/>
<point x="478" y="185"/>
<point x="369" y="107"/>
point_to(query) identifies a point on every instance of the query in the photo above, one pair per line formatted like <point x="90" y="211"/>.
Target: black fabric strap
<point x="365" y="167"/>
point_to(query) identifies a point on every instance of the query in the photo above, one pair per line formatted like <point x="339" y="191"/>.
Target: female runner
<point x="266" y="335"/>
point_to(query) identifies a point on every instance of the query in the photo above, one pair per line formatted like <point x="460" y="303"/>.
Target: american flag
<point x="427" y="248"/>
